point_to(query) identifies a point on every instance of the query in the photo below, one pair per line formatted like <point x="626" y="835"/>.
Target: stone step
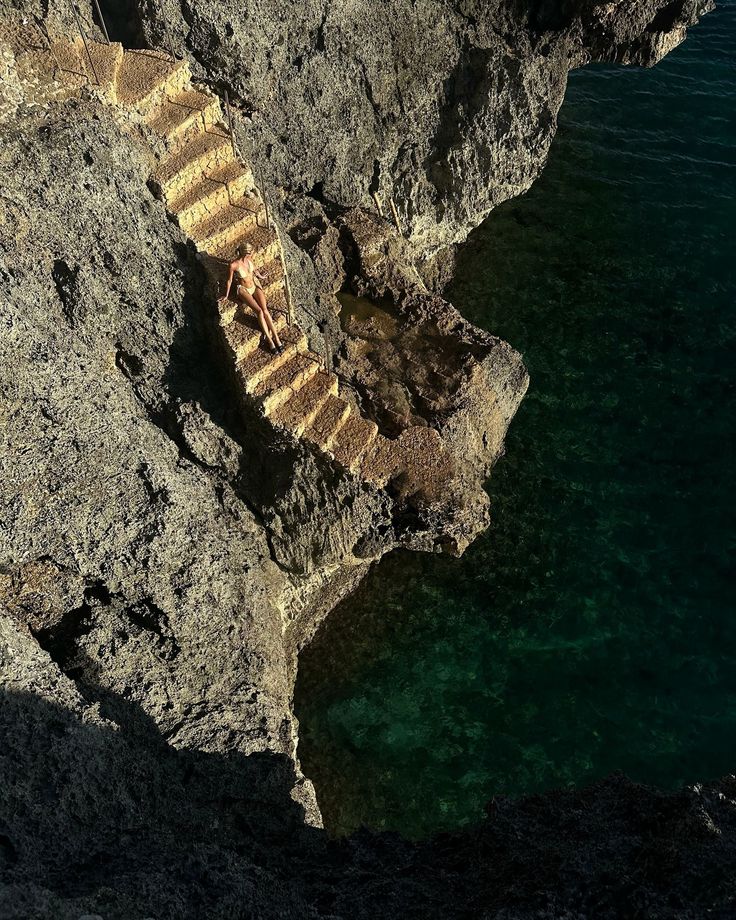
<point x="352" y="441"/>
<point x="265" y="243"/>
<point x="76" y="68"/>
<point x="191" y="110"/>
<point x="201" y="153"/>
<point x="145" y="76"/>
<point x="298" y="412"/>
<point x="328" y="422"/>
<point x="259" y="364"/>
<point x="418" y="450"/>
<point x="285" y="380"/>
<point x="230" y="182"/>
<point x="243" y="333"/>
<point x="276" y="301"/>
<point x="219" y="230"/>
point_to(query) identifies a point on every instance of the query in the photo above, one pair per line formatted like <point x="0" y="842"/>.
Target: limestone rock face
<point x="448" y="107"/>
<point x="163" y="557"/>
<point x="124" y="548"/>
<point x="164" y="550"/>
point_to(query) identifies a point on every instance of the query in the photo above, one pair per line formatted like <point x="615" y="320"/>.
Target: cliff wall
<point x="448" y="107"/>
<point x="161" y="561"/>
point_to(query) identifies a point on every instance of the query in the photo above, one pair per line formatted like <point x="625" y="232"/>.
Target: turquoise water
<point x="594" y="627"/>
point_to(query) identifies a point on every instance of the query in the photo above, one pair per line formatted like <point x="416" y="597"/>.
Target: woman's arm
<point x="229" y="282"/>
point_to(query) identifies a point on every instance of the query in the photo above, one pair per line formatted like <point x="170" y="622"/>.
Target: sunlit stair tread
<point x="174" y="114"/>
<point x="286" y="380"/>
<point x="212" y="182"/>
<point x="228" y="219"/>
<point x="213" y="198"/>
<point x="107" y="60"/>
<point x="264" y="240"/>
<point x="143" y="72"/>
<point x="353" y="439"/>
<point x="239" y="180"/>
<point x="328" y="422"/>
<point x="276" y="301"/>
<point x="300" y="410"/>
<point x="68" y="57"/>
<point x="243" y="334"/>
<point x="200" y="150"/>
<point x="229" y="172"/>
<point x="74" y="60"/>
<point x="259" y="364"/>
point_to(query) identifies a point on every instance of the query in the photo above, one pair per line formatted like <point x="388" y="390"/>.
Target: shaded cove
<point x="592" y="629"/>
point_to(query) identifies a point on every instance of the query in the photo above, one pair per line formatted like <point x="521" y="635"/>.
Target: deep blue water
<point x="594" y="627"/>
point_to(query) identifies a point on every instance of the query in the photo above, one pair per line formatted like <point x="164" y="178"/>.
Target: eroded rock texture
<point x="164" y="549"/>
<point x="449" y="107"/>
<point x="162" y="559"/>
<point x="125" y="545"/>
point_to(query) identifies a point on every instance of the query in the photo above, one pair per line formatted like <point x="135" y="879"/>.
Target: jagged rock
<point x="131" y="559"/>
<point x="448" y="107"/>
<point x="412" y="358"/>
<point x="183" y="551"/>
<point x="162" y="560"/>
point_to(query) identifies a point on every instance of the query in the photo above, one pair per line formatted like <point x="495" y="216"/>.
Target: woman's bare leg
<point x="257" y="309"/>
<point x="261" y="298"/>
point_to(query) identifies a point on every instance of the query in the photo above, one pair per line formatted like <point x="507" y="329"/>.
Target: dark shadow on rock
<point x="196" y="370"/>
<point x="97" y="819"/>
<point x="123" y="22"/>
<point x="97" y="810"/>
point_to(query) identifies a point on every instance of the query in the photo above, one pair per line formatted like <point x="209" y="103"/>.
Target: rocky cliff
<point x="163" y="557"/>
<point x="448" y="107"/>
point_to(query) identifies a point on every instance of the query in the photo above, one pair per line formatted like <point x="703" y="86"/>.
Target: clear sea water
<point x="593" y="628"/>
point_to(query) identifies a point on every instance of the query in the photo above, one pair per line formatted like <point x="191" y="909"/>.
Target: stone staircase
<point x="212" y="194"/>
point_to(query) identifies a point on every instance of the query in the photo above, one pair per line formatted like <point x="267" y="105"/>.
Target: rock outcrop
<point x="166" y="549"/>
<point x="448" y="107"/>
<point x="126" y="546"/>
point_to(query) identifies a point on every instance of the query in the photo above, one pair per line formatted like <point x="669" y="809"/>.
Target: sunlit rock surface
<point x="161" y="563"/>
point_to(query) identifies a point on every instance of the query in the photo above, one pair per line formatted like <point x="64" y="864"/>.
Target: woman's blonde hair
<point x="245" y="250"/>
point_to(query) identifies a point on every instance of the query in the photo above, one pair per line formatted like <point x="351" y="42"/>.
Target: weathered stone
<point x="448" y="107"/>
<point x="164" y="557"/>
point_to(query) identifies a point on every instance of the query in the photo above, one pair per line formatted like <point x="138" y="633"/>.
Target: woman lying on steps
<point x="249" y="291"/>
